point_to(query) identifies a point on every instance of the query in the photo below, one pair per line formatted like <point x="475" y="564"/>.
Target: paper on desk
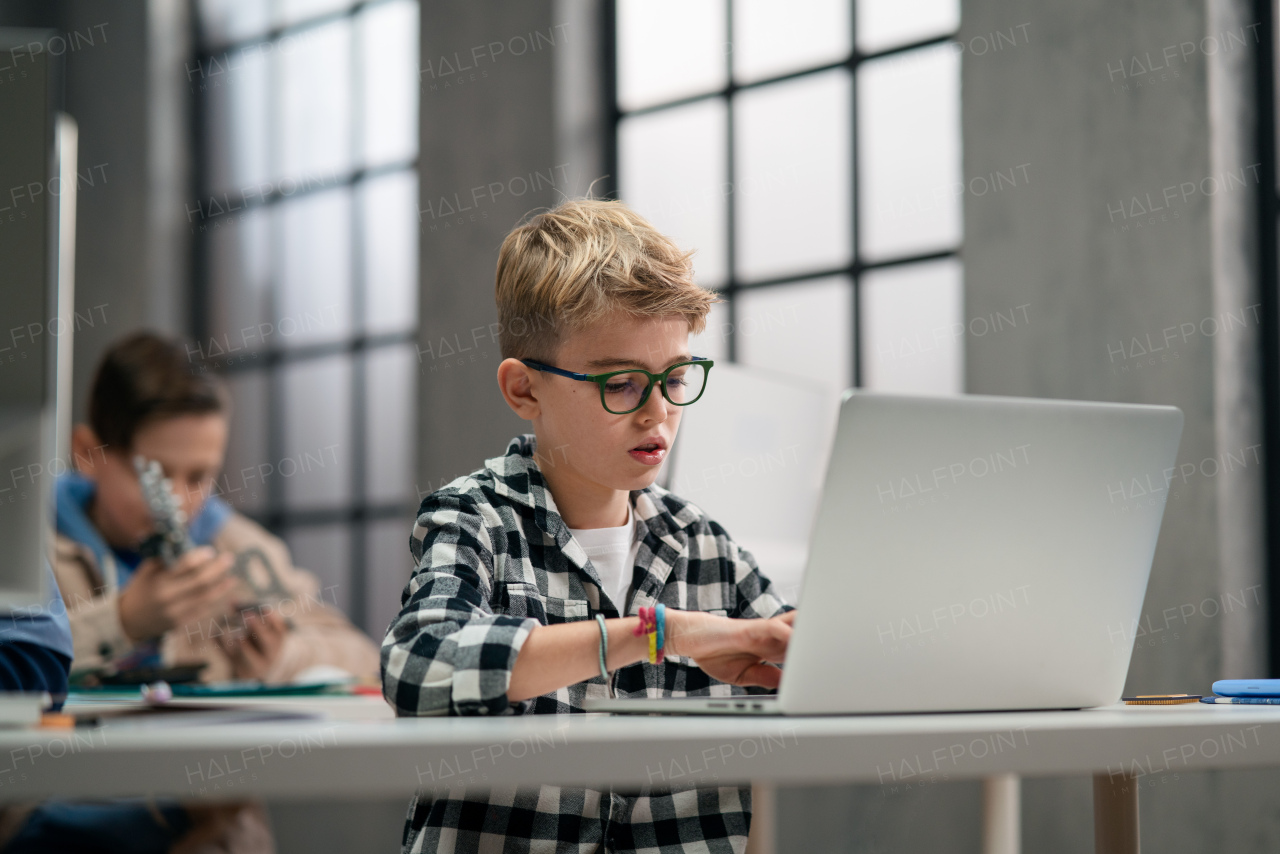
<point x="176" y="715"/>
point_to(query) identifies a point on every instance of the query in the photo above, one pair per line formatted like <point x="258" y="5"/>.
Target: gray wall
<point x="1084" y="93"/>
<point x="1080" y="102"/>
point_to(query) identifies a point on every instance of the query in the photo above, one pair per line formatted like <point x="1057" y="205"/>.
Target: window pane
<point x="315" y="103"/>
<point x="390" y="397"/>
<point x="235" y="86"/>
<point x="672" y="166"/>
<point x="913" y="328"/>
<point x="245" y="472"/>
<point x="316" y="460"/>
<point x="389" y="208"/>
<point x="713" y="342"/>
<point x="389" y="565"/>
<point x="389" y="53"/>
<point x="292" y="11"/>
<point x="668" y="49"/>
<point x="803" y="329"/>
<point x="793" y="176"/>
<point x="885" y="23"/>
<point x="772" y="38"/>
<point x="325" y="551"/>
<point x="909" y="149"/>
<point x="240" y="285"/>
<point x="315" y="268"/>
<point x="226" y="21"/>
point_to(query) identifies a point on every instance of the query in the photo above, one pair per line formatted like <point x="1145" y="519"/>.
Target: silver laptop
<point x="971" y="553"/>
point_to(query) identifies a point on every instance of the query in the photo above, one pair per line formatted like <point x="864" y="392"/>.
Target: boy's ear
<point x="87" y="450"/>
<point x="517" y="383"/>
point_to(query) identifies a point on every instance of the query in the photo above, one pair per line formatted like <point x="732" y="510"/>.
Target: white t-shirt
<point x="613" y="553"/>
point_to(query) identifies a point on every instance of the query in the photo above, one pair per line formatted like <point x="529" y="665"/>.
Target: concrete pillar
<point x="506" y="128"/>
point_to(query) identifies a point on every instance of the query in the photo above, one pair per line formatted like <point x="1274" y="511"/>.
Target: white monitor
<point x="30" y="193"/>
<point x="752" y="454"/>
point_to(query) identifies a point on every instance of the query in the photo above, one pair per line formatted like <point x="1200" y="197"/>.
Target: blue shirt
<point x="35" y="644"/>
<point x="73" y="493"/>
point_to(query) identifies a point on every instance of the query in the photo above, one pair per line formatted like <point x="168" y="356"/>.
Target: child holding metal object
<point x="148" y="400"/>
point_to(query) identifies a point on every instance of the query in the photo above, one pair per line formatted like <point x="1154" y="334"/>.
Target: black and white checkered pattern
<point x="494" y="560"/>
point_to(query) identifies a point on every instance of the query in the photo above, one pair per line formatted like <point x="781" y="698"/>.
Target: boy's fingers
<point x="193" y="560"/>
<point x="251" y="658"/>
<point x="223" y="590"/>
<point x="761" y="675"/>
<point x="769" y="638"/>
<point x="233" y="645"/>
<point x="789" y="618"/>
<point x="149" y="567"/>
<point x="268" y="630"/>
<point x="193" y="605"/>
<point x="211" y="565"/>
<point x="261" y="643"/>
<point x="206" y="577"/>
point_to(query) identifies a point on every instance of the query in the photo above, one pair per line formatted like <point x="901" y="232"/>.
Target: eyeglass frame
<point x="601" y="379"/>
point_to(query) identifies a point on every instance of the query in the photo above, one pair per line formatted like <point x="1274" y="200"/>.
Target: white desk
<point x="387" y="758"/>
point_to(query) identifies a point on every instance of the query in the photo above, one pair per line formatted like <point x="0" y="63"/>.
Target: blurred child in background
<point x="129" y="611"/>
<point x="149" y="400"/>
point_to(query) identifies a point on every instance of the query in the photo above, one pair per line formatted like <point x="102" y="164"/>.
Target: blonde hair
<point x="570" y="266"/>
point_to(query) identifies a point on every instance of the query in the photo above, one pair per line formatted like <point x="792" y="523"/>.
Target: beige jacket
<point x="320" y="633"/>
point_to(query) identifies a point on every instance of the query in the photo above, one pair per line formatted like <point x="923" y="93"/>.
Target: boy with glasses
<point x="559" y="571"/>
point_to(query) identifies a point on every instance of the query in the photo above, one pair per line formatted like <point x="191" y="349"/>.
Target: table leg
<point x="764" y="819"/>
<point x="1002" y="814"/>
<point x="1115" y="814"/>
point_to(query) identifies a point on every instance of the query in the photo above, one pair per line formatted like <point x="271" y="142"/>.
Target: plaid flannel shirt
<point x="494" y="560"/>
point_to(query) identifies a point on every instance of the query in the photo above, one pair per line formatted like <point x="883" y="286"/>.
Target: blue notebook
<point x="1242" y="701"/>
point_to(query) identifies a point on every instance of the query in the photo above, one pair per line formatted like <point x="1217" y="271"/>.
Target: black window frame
<point x="733" y="284"/>
<point x="1269" y="332"/>
<point x="360" y="511"/>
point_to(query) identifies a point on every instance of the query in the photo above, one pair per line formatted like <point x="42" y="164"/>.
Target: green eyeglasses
<point x="627" y="390"/>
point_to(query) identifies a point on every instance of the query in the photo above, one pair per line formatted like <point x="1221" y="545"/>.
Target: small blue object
<point x="1241" y="701"/>
<point x="660" y="617"/>
<point x="1247" y="687"/>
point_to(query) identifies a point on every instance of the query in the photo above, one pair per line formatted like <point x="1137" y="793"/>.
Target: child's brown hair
<point x="144" y="377"/>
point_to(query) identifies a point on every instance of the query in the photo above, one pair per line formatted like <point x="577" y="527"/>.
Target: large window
<point x="810" y="153"/>
<point x="305" y="229"/>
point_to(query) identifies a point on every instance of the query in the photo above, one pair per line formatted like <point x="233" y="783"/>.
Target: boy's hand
<point x="157" y="599"/>
<point x="732" y="651"/>
<point x="254" y="649"/>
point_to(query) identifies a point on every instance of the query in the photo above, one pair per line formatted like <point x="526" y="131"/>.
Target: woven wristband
<point x="646" y="619"/>
<point x="660" y="625"/>
<point x="652" y="624"/>
<point x="604" y="647"/>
